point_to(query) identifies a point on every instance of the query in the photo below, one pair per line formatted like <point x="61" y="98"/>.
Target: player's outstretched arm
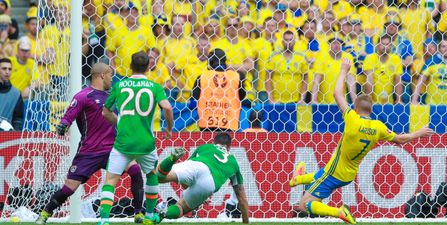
<point x="340" y="85"/>
<point x="405" y="138"/>
<point x="109" y="115"/>
<point x="243" y="202"/>
<point x="169" y="116"/>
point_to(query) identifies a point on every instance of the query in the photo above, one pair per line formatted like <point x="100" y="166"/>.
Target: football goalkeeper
<point x="360" y="135"/>
<point x="97" y="136"/>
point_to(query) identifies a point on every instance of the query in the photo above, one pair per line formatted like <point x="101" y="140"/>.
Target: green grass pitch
<point x="234" y="223"/>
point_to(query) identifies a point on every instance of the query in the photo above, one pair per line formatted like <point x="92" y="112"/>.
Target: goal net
<point x="288" y="54"/>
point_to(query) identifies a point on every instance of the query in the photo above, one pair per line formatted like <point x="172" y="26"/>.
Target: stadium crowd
<point x="286" y="51"/>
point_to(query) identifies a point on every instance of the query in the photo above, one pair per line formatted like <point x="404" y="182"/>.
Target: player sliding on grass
<point x="206" y="170"/>
<point x="96" y="143"/>
<point x="360" y="135"/>
<point x="135" y="98"/>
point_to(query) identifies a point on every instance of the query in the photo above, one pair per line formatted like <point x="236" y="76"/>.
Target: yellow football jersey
<point x="125" y="42"/>
<point x="262" y="50"/>
<point x="59" y="41"/>
<point x="22" y="74"/>
<point x="359" y="136"/>
<point x="329" y="68"/>
<point x="159" y="75"/>
<point x="437" y="86"/>
<point x="287" y="77"/>
<point x="384" y="74"/>
<point x="416" y="23"/>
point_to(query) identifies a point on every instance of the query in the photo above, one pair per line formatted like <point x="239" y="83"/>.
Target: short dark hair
<point x="140" y="62"/>
<point x="288" y="32"/>
<point x="5" y="60"/>
<point x="217" y="59"/>
<point x="30" y="18"/>
<point x="223" y="139"/>
<point x="385" y="36"/>
<point x="268" y="19"/>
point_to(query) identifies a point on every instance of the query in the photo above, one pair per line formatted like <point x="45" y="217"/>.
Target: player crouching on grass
<point x="360" y="135"/>
<point x="97" y="136"/>
<point x="206" y="170"/>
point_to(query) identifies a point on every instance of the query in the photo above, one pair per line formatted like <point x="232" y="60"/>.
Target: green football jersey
<point x="222" y="165"/>
<point x="136" y="99"/>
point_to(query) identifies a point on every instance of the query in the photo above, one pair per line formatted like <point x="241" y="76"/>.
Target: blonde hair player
<point x="360" y="135"/>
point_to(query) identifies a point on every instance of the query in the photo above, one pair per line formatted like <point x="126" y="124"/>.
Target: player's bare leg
<point x="57" y="199"/>
<point x="300" y="176"/>
<point x="137" y="189"/>
<point x="313" y="205"/>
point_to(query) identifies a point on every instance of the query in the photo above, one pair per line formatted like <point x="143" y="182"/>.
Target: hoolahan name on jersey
<point x="135" y="83"/>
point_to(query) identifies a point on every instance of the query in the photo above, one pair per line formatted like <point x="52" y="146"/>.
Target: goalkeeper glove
<point x="61" y="129"/>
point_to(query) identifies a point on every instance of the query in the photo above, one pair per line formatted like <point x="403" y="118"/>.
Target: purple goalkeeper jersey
<point x="97" y="134"/>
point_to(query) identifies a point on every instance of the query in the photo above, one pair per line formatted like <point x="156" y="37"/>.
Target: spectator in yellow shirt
<point x="125" y="41"/>
<point x="95" y="33"/>
<point x="212" y="30"/>
<point x="194" y="66"/>
<point x="247" y="30"/>
<point x="345" y="29"/>
<point x="239" y="53"/>
<point x="287" y="73"/>
<point x="373" y="16"/>
<point x="23" y="72"/>
<point x="416" y="29"/>
<point x="328" y="29"/>
<point x="161" y="30"/>
<point x="430" y="49"/>
<point x="243" y="9"/>
<point x="57" y="44"/>
<point x="341" y="8"/>
<point x="307" y="41"/>
<point x="115" y="16"/>
<point x="158" y="72"/>
<point x="7" y="45"/>
<point x="177" y="46"/>
<point x="263" y="48"/>
<point x="434" y="72"/>
<point x="383" y="71"/>
<point x="31" y="27"/>
<point x="326" y="70"/>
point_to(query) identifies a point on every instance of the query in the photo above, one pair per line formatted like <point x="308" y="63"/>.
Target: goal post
<point x="75" y="86"/>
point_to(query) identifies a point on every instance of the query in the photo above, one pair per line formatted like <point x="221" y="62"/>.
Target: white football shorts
<point x="118" y="161"/>
<point x="198" y="178"/>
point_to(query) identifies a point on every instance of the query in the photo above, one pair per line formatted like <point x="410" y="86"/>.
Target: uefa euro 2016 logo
<point x="220" y="80"/>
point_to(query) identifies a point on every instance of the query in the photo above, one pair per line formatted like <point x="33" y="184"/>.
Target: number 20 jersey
<point x="222" y="165"/>
<point x="136" y="99"/>
<point x="360" y="135"/>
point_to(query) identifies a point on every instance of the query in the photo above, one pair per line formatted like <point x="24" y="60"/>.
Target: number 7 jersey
<point x="360" y="135"/>
<point x="135" y="98"/>
<point x="222" y="165"/>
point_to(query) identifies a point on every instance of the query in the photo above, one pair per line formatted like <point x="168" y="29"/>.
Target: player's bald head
<point x="363" y="104"/>
<point x="99" y="68"/>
